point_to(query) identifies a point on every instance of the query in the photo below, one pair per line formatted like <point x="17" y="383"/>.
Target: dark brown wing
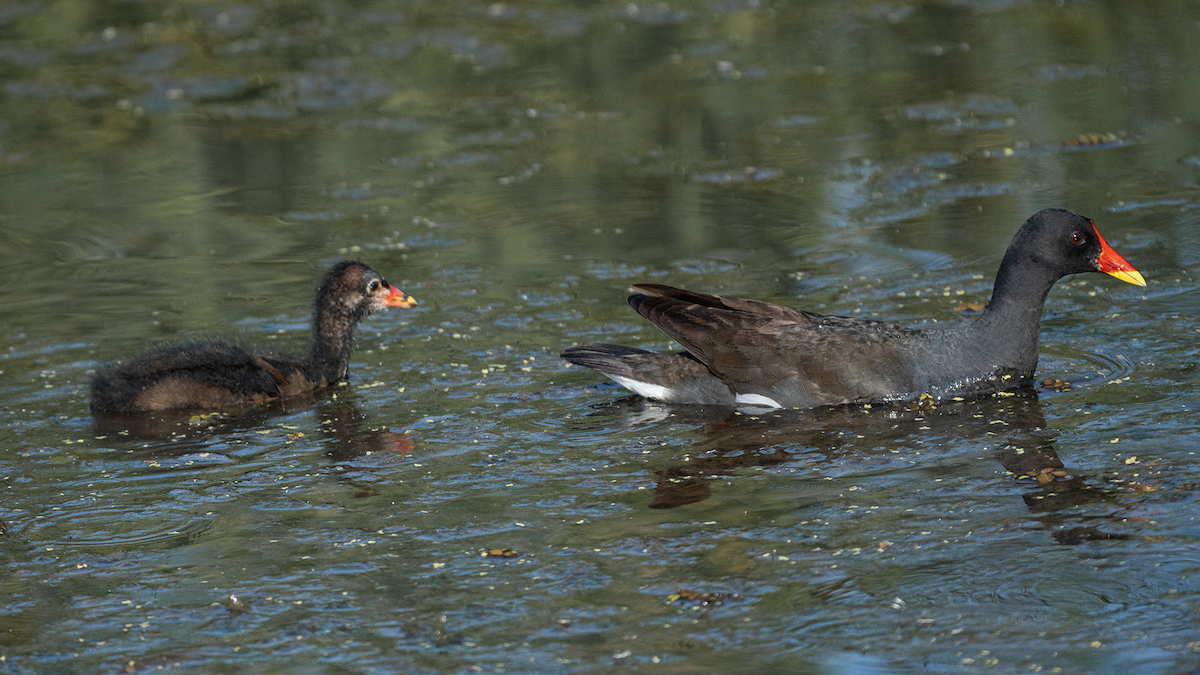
<point x="795" y="358"/>
<point x="758" y="307"/>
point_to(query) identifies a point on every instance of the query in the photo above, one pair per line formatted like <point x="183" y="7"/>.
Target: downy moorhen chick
<point x="746" y="352"/>
<point x="218" y="374"/>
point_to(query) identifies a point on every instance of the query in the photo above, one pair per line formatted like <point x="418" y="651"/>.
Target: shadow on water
<point x="1013" y="425"/>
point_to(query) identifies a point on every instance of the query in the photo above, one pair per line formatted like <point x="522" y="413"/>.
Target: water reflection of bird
<point x="1011" y="427"/>
<point x="746" y="352"/>
<point x="346" y="438"/>
<point x="217" y="375"/>
<point x="342" y="428"/>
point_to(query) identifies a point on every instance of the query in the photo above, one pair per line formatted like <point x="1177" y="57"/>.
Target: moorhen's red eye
<point x="1077" y="237"/>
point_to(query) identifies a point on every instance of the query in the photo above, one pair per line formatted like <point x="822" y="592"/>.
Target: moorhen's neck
<point x="1010" y="326"/>
<point x="330" y="341"/>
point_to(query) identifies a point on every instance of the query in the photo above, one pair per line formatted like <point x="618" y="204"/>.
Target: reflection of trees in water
<point x="1014" y="425"/>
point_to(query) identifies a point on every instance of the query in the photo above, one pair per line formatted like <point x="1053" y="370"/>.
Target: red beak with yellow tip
<point x="1110" y="262"/>
<point x="398" y="298"/>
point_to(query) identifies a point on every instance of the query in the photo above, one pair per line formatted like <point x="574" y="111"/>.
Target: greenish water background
<point x="171" y="170"/>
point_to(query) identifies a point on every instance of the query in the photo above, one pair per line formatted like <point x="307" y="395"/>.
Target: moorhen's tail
<point x="672" y="378"/>
<point x="605" y="358"/>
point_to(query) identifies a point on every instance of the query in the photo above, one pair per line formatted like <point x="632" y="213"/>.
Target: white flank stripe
<point x="654" y="391"/>
<point x="756" y="399"/>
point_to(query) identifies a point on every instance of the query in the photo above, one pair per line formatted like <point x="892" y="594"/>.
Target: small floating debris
<point x="500" y="553"/>
<point x="1044" y="476"/>
<point x="702" y="599"/>
<point x="236" y="605"/>
<point x="970" y="308"/>
<point x="1055" y="384"/>
<point x="206" y="417"/>
<point x="922" y="403"/>
<point x="1094" y="142"/>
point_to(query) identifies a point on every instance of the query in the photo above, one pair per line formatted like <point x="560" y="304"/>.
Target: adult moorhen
<point x="746" y="352"/>
<point x="218" y="374"/>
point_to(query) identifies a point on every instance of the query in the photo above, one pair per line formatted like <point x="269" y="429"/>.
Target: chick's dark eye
<point x="373" y="286"/>
<point x="1077" y="237"/>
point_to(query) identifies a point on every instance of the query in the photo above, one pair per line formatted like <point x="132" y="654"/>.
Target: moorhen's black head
<point x="354" y="290"/>
<point x="349" y="292"/>
<point x="1060" y="242"/>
